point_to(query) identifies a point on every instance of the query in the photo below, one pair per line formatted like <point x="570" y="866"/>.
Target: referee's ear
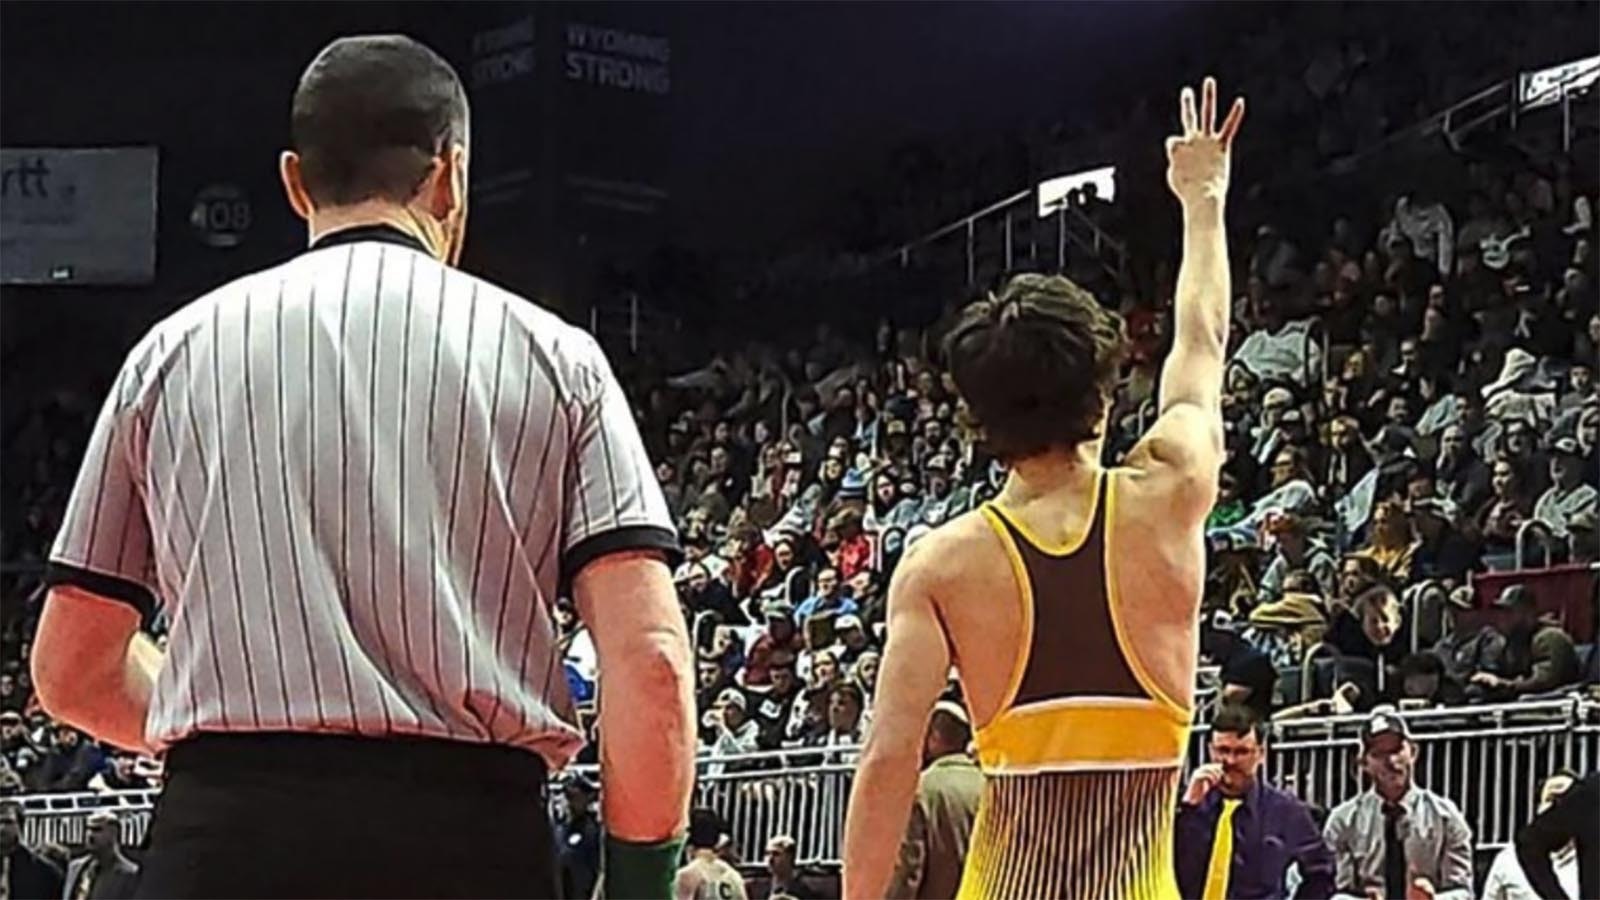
<point x="293" y="186"/>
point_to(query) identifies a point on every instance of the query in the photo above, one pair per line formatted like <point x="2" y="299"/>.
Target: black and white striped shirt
<point x="356" y="482"/>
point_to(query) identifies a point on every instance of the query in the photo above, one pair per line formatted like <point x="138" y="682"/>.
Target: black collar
<point x="386" y="233"/>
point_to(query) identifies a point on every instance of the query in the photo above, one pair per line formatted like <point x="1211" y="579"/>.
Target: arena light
<point x="1544" y="87"/>
<point x="1053" y="192"/>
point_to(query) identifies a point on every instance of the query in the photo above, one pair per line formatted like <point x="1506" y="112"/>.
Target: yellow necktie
<point x="1221" y="854"/>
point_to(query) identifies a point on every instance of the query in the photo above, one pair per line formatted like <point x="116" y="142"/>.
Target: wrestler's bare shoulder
<point x="951" y="551"/>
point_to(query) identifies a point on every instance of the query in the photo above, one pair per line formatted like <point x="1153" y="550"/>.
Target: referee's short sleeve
<point x="613" y="501"/>
<point x="104" y="545"/>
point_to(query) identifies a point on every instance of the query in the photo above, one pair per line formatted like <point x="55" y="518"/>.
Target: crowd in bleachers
<point x="1405" y="393"/>
<point x="1413" y="382"/>
<point x="1452" y="400"/>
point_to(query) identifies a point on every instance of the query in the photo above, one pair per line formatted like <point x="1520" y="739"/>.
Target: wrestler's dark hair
<point x="1035" y="365"/>
<point x="369" y="117"/>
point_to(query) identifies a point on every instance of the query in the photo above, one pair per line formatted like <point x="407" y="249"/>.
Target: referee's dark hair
<point x="370" y="116"/>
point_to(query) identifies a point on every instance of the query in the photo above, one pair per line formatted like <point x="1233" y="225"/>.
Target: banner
<point x="78" y="216"/>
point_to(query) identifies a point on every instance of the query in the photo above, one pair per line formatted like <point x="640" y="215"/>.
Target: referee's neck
<point x="328" y="220"/>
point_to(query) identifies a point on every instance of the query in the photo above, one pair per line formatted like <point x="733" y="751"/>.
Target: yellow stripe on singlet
<point x="1082" y="733"/>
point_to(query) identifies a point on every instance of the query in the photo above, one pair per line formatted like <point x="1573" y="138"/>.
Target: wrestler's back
<point x="1078" y="668"/>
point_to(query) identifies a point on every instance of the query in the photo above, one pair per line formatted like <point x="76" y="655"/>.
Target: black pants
<point x="293" y="815"/>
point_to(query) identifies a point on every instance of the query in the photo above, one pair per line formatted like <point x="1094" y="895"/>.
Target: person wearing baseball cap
<point x="1444" y="552"/>
<point x="935" y="845"/>
<point x="852" y="638"/>
<point x="780" y="635"/>
<point x="1581" y="532"/>
<point x="1398" y="839"/>
<point x="736" y="731"/>
<point x="103" y="873"/>
<point x="1569" y="494"/>
<point x="1539" y="656"/>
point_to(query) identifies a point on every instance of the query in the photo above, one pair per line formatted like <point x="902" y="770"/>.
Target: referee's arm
<point x="619" y="540"/>
<point x="92" y="666"/>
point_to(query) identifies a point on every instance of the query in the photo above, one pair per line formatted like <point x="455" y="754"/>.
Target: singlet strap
<point x="1074" y="543"/>
<point x="1123" y="632"/>
<point x="1019" y="569"/>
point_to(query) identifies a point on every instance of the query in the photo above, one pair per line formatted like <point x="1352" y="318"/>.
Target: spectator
<point x="1507" y="509"/>
<point x="1236" y="835"/>
<point x="1394" y="543"/>
<point x="25" y="874"/>
<point x="780" y="635"/>
<point x="1295" y="551"/>
<point x="578" y="836"/>
<point x="1568" y="494"/>
<point x="776" y="707"/>
<point x="1507" y="881"/>
<point x="853" y="552"/>
<point x="700" y="592"/>
<point x="121" y="773"/>
<point x="1522" y="450"/>
<point x="1570" y="819"/>
<point x="13" y="698"/>
<point x="1539" y="656"/>
<point x="1398" y="838"/>
<point x="735" y="731"/>
<point x="1423" y="682"/>
<point x="1442" y="551"/>
<point x="865" y="674"/>
<point x="68" y="765"/>
<point x="1583" y="535"/>
<point x="710" y="681"/>
<point x="784" y="881"/>
<point x="706" y="875"/>
<point x="1249" y="679"/>
<point x="103" y="873"/>
<point x="934" y="850"/>
<point x="845" y="706"/>
<point x="1428" y="228"/>
<point x="1287" y="628"/>
<point x="1465" y="651"/>
<point x="17" y="749"/>
<point x="829" y="600"/>
<point x="1373" y="629"/>
<point x="1348" y="459"/>
<point x="852" y="637"/>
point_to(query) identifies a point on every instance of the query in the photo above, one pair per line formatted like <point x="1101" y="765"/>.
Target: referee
<point x="356" y="483"/>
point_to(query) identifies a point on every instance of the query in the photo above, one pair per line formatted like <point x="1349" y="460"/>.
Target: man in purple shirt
<point x="1269" y="829"/>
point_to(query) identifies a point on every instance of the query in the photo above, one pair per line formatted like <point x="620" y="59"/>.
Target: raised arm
<point x="1187" y="437"/>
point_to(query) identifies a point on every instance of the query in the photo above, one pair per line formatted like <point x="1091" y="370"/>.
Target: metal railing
<point x="1070" y="223"/>
<point x="1488" y="759"/>
<point x="1547" y="540"/>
